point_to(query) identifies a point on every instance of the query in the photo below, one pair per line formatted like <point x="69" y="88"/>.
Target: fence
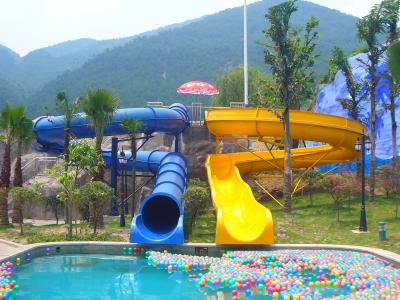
<point x="37" y="166"/>
<point x="196" y="110"/>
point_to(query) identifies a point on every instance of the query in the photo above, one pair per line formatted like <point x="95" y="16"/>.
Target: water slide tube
<point x="240" y="218"/>
<point x="160" y="216"/>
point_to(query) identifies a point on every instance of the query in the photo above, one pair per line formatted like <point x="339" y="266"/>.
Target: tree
<point x="336" y="187"/>
<point x="133" y="127"/>
<point x="394" y="60"/>
<point x="9" y="118"/>
<point x="23" y="136"/>
<point x="290" y="57"/>
<point x="55" y="204"/>
<point x="99" y="106"/>
<point x="95" y="194"/>
<point x="369" y="27"/>
<point x="352" y="103"/>
<point x="69" y="111"/>
<point x="21" y="196"/>
<point x="230" y="85"/>
<point x="195" y="199"/>
<point x="83" y="158"/>
<point x="313" y="180"/>
<point x="385" y="175"/>
<point x="390" y="15"/>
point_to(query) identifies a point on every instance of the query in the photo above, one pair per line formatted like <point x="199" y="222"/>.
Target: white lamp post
<point x="246" y="87"/>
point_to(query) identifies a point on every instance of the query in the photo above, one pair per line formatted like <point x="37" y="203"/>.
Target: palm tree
<point x="133" y="127"/>
<point x="8" y="126"/>
<point x="99" y="106"/>
<point x="68" y="110"/>
<point x="23" y="137"/>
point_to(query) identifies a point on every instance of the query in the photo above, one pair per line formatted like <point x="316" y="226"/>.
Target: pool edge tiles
<point x="116" y="248"/>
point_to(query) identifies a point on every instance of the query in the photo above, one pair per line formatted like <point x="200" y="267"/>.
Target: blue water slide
<point x="49" y="130"/>
<point x="160" y="216"/>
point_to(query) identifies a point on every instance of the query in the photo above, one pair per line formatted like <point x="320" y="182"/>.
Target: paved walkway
<point x="8" y="248"/>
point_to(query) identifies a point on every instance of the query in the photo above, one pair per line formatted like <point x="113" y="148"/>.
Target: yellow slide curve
<point x="240" y="218"/>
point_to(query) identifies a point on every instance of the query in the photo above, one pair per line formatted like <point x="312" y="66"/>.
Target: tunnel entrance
<point x="160" y="214"/>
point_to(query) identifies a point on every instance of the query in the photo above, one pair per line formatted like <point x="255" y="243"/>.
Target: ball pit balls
<point x="288" y="274"/>
<point x="7" y="284"/>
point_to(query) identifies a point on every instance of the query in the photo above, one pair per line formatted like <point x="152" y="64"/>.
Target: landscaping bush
<point x="21" y="196"/>
<point x="95" y="194"/>
<point x="196" y="198"/>
<point x="313" y="180"/>
<point x="36" y="237"/>
<point x="336" y="186"/>
<point x="55" y="204"/>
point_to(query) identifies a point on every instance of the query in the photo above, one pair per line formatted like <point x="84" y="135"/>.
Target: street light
<point x="246" y="87"/>
<point x="122" y="161"/>
<point x="363" y="144"/>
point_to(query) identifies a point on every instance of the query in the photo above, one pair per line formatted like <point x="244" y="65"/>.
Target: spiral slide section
<point x="160" y="217"/>
<point x="240" y="218"/>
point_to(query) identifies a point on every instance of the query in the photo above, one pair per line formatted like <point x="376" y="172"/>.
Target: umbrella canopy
<point x="198" y="88"/>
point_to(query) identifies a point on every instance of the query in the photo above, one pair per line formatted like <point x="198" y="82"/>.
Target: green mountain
<point x="30" y="73"/>
<point x="10" y="91"/>
<point x="40" y="66"/>
<point x="151" y="67"/>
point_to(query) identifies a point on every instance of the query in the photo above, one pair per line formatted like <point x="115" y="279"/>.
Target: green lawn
<point x="317" y="223"/>
<point x="308" y="224"/>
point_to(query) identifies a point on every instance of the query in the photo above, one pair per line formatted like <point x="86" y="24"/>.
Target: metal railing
<point x="196" y="110"/>
<point x="155" y="104"/>
<point x="36" y="166"/>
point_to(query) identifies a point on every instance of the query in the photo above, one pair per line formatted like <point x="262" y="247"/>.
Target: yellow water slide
<point x="240" y="218"/>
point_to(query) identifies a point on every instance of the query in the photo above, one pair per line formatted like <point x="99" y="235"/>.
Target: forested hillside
<point x="38" y="67"/>
<point x="150" y="67"/>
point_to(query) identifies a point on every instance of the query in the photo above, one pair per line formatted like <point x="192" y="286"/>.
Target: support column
<point x="176" y="143"/>
<point x="114" y="174"/>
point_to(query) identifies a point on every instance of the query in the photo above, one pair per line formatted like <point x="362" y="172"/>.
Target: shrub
<point x="196" y="198"/>
<point x="336" y="186"/>
<point x="55" y="204"/>
<point x="21" y="196"/>
<point x="95" y="194"/>
<point x="314" y="181"/>
<point x="37" y="237"/>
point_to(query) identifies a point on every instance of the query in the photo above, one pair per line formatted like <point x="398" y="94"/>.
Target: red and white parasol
<point x="198" y="88"/>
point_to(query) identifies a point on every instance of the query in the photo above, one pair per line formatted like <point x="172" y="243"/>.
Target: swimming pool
<point x="105" y="277"/>
<point x="280" y="274"/>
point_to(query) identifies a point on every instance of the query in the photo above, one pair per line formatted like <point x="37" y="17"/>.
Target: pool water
<point x="283" y="274"/>
<point x="100" y="277"/>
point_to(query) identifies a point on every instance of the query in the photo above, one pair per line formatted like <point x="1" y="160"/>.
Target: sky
<point x="26" y="25"/>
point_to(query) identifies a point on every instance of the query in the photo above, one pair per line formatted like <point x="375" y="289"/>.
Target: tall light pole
<point x="122" y="163"/>
<point x="363" y="145"/>
<point x="246" y="75"/>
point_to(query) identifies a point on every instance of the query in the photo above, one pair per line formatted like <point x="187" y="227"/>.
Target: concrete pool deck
<point x="9" y="251"/>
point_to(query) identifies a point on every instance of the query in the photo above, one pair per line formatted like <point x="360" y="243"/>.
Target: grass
<point x="309" y="224"/>
<point x="317" y="224"/>
<point x="56" y="233"/>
